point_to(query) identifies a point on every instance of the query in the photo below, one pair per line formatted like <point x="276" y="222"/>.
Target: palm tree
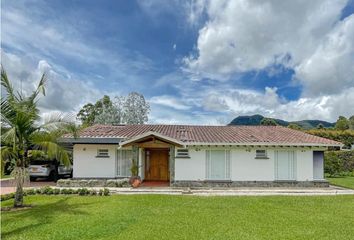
<point x="23" y="132"/>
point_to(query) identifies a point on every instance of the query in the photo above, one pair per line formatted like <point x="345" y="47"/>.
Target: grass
<point x="181" y="217"/>
<point x="347" y="182"/>
<point x="5" y="176"/>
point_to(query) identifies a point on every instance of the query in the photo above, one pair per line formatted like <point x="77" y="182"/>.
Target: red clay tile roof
<point x="210" y="134"/>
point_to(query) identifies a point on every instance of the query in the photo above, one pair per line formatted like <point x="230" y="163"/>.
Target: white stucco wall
<point x="304" y="166"/>
<point x="87" y="165"/>
<point x="244" y="166"/>
<point x="192" y="168"/>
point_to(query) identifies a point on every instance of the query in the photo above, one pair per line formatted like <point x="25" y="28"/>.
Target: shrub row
<point x="93" y="182"/>
<point x="339" y="163"/>
<point x="56" y="191"/>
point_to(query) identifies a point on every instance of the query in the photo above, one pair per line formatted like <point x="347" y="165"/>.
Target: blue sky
<point x="196" y="62"/>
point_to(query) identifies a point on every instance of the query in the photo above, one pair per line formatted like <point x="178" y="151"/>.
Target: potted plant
<point x="134" y="180"/>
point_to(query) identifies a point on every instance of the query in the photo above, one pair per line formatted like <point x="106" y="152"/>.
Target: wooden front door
<point x="156" y="165"/>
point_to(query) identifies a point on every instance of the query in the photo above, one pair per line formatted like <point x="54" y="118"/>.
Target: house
<point x="186" y="155"/>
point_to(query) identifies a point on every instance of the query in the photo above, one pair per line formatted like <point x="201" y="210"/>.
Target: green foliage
<point x="351" y="122"/>
<point x="90" y="111"/>
<point x="83" y="191"/>
<point x="339" y="163"/>
<point x="47" y="190"/>
<point x="105" y="191"/>
<point x="134" y="169"/>
<point x="56" y="191"/>
<point x="7" y="196"/>
<point x="268" y="122"/>
<point x="131" y="109"/>
<point x="342" y="123"/>
<point x="31" y="192"/>
<point x="22" y="131"/>
<point x="346" y="137"/>
<point x="294" y="126"/>
<point x="256" y="120"/>
<point x="122" y="217"/>
<point x="320" y="126"/>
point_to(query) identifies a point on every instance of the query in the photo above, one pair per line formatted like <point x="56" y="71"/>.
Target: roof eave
<point x="92" y="140"/>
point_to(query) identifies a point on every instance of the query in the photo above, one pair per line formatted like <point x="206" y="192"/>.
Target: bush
<point x="339" y="163"/>
<point x="64" y="191"/>
<point x="105" y="191"/>
<point x="56" y="191"/>
<point x="46" y="190"/>
<point x="93" y="192"/>
<point x="100" y="192"/>
<point x="83" y="191"/>
<point x="31" y="192"/>
<point x="7" y="196"/>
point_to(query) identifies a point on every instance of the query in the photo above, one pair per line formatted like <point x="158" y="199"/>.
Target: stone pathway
<point x="332" y="190"/>
<point x="7" y="186"/>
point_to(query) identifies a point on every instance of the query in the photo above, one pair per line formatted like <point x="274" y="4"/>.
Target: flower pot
<point x="135" y="181"/>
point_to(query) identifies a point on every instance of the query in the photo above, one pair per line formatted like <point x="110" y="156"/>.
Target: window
<point x="124" y="162"/>
<point x="103" y="153"/>
<point x="218" y="164"/>
<point x="261" y="154"/>
<point x="182" y="153"/>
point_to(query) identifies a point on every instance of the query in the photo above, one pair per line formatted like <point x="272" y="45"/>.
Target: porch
<point x="155" y="156"/>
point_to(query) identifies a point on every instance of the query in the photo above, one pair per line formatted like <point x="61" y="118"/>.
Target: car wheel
<point x="33" y="179"/>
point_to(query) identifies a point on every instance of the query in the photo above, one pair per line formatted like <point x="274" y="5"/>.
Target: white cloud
<point x="63" y="93"/>
<point x="219" y="103"/>
<point x="331" y="66"/>
<point x="169" y="101"/>
<point x="244" y="102"/>
<point x="307" y="36"/>
<point x="190" y="10"/>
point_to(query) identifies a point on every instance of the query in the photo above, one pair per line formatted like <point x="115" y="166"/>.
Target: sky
<point x="195" y="61"/>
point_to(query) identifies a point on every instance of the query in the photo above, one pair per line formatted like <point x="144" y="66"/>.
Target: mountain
<point x="256" y="120"/>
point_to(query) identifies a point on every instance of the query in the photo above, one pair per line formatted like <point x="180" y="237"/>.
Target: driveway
<point x="8" y="185"/>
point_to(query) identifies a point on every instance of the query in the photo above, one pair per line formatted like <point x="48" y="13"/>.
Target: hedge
<point x="339" y="163"/>
<point x="55" y="191"/>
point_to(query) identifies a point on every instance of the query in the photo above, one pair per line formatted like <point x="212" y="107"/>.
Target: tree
<point x="87" y="114"/>
<point x="132" y="109"/>
<point x="89" y="111"/>
<point x="268" y="122"/>
<point x="320" y="126"/>
<point x="22" y="133"/>
<point x="294" y="126"/>
<point x="136" y="109"/>
<point x="342" y="123"/>
<point x="351" y="122"/>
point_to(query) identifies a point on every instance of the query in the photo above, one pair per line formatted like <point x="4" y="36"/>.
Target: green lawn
<point x="181" y="217"/>
<point x="4" y="176"/>
<point x="347" y="182"/>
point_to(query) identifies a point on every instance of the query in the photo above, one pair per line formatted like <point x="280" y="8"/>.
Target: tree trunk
<point x="18" y="202"/>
